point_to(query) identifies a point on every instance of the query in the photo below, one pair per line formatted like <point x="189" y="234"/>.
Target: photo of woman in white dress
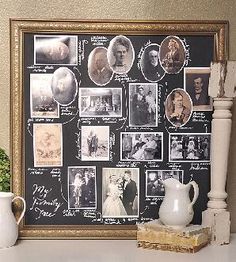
<point x="113" y="206"/>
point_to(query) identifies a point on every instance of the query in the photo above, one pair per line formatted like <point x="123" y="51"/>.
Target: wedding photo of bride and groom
<point x="120" y="192"/>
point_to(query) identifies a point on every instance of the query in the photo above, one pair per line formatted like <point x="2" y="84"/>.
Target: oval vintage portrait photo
<point x="150" y="64"/>
<point x="178" y="107"/>
<point x="172" y="54"/>
<point x="64" y="86"/>
<point x="98" y="67"/>
<point x="120" y="54"/>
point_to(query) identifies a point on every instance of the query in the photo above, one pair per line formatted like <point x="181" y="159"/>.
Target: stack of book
<point x="154" y="235"/>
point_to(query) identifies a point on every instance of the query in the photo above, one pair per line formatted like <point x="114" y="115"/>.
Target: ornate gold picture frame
<point x="76" y="41"/>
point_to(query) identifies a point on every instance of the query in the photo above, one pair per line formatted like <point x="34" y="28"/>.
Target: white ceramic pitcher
<point x="176" y="209"/>
<point x="8" y="223"/>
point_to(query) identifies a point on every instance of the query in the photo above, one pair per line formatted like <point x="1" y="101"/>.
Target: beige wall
<point x="132" y="9"/>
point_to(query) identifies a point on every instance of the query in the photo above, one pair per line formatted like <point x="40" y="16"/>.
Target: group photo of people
<point x="155" y="178"/>
<point x="82" y="187"/>
<point x="142" y="146"/>
<point x="143" y="104"/>
<point x="100" y="102"/>
<point x="189" y="147"/>
<point x="120" y="192"/>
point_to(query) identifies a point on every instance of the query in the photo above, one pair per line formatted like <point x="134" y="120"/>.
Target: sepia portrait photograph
<point x="172" y="54"/>
<point x="143" y="104"/>
<point x="150" y="64"/>
<point x="48" y="145"/>
<point x="98" y="67"/>
<point x="95" y="144"/>
<point x="141" y="146"/>
<point x="120" y="54"/>
<point x="189" y="147"/>
<point x="196" y="81"/>
<point x="82" y="192"/>
<point x="155" y="178"/>
<point x="42" y="104"/>
<point x="100" y="102"/>
<point x="120" y="192"/>
<point x="64" y="86"/>
<point x="55" y="50"/>
<point x="178" y="107"/>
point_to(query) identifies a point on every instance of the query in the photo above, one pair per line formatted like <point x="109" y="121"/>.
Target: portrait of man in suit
<point x="129" y="192"/>
<point x="150" y="65"/>
<point x="98" y="67"/>
<point x="196" y="84"/>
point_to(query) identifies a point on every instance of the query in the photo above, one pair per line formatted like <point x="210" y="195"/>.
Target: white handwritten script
<point x="42" y="204"/>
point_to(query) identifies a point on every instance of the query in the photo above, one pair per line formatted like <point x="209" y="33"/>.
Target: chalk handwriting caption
<point x="42" y="205"/>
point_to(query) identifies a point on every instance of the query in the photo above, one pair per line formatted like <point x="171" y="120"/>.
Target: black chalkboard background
<point x="200" y="50"/>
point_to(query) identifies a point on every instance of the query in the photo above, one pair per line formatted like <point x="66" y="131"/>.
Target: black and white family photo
<point x="98" y="67"/>
<point x="172" y="54"/>
<point x="143" y="104"/>
<point x="196" y="81"/>
<point x="120" y="192"/>
<point x="142" y="146"/>
<point x="82" y="187"/>
<point x="178" y="107"/>
<point x="154" y="178"/>
<point x="120" y="54"/>
<point x="58" y="49"/>
<point x="189" y="147"/>
<point x="150" y="64"/>
<point x="95" y="143"/>
<point x="41" y="98"/>
<point x="100" y="102"/>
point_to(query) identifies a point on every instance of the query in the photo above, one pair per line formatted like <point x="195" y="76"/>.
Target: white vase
<point x="8" y="223"/>
<point x="176" y="209"/>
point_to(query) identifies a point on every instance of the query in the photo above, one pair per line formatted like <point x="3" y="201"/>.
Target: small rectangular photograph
<point x="55" y="50"/>
<point x="42" y="104"/>
<point x="82" y="191"/>
<point x="100" y="102"/>
<point x="154" y="179"/>
<point x="48" y="145"/>
<point x="189" y="147"/>
<point x="95" y="144"/>
<point x="196" y="81"/>
<point x="143" y="104"/>
<point x="141" y="146"/>
<point x="120" y="192"/>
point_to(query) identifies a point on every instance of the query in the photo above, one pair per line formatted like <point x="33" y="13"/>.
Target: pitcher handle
<point x="24" y="208"/>
<point x="196" y="193"/>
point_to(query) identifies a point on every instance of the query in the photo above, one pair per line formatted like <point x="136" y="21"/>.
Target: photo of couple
<point x="120" y="192"/>
<point x="82" y="187"/>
